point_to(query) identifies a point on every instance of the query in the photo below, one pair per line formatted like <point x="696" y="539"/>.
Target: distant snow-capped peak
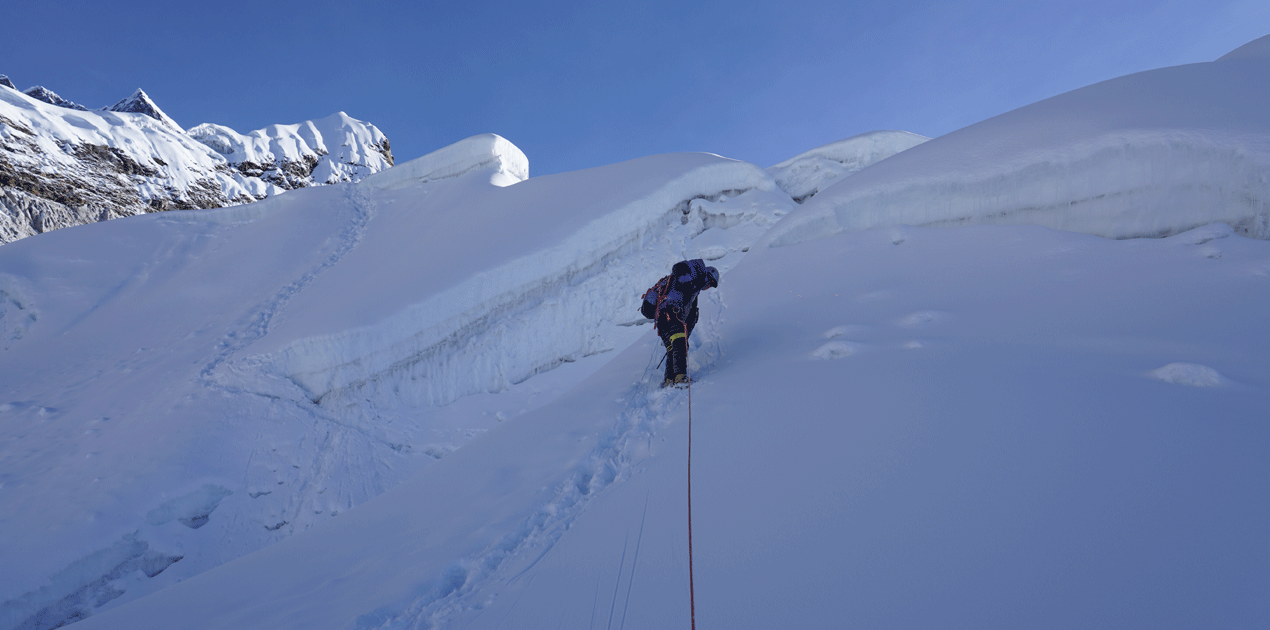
<point x="140" y="103"/>
<point x="63" y="164"/>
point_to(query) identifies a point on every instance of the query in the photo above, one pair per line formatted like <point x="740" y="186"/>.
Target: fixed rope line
<point x="692" y="598"/>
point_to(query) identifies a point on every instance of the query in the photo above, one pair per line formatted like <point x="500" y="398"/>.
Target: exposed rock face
<point x="4" y="81"/>
<point x="63" y="165"/>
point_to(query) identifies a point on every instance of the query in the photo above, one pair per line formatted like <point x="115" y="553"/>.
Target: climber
<point x="672" y="305"/>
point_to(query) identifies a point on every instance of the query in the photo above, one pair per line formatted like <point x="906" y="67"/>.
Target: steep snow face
<point x="62" y="167"/>
<point x="804" y="175"/>
<point x="248" y="372"/>
<point x="1149" y="154"/>
<point x="330" y="150"/>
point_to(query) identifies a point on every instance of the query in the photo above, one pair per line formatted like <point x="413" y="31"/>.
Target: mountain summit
<point x="140" y="103"/>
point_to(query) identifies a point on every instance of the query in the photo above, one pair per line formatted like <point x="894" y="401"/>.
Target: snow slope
<point x="181" y="389"/>
<point x="1149" y="154"/>
<point x="896" y="428"/>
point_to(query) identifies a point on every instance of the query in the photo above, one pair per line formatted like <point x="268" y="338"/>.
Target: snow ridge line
<point x="615" y="457"/>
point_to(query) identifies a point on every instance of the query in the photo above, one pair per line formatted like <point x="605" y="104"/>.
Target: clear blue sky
<point x="581" y="84"/>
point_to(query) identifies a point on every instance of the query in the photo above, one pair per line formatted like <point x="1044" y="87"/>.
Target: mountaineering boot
<point x="680" y="380"/>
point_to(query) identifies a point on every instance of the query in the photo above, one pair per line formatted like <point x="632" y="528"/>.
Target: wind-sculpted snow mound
<point x="478" y="152"/>
<point x="804" y="175"/>
<point x="189" y="387"/>
<point x="1145" y="155"/>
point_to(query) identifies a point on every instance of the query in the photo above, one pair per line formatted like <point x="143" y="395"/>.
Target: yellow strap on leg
<point x="674" y="337"/>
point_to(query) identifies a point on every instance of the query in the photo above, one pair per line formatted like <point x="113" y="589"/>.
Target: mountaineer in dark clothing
<point x="672" y="305"/>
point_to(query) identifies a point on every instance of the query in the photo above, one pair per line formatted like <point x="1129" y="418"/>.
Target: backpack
<point x="654" y="297"/>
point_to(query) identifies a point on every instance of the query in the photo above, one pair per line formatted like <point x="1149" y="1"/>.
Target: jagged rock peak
<point x="41" y="93"/>
<point x="140" y="103"/>
<point x="4" y="80"/>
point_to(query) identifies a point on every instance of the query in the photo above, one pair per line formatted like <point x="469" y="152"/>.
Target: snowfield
<point x="427" y="399"/>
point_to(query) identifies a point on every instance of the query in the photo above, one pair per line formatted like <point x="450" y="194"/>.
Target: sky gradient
<point x="582" y="84"/>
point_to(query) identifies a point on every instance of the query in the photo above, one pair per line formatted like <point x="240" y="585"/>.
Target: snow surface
<point x="1149" y="154"/>
<point x="1018" y="468"/>
<point x="200" y="384"/>
<point x="804" y="175"/>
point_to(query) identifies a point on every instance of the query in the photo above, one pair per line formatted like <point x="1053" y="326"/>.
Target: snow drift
<point x="1149" y="154"/>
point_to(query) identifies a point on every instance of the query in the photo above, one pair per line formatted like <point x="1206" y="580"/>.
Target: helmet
<point x="713" y="274"/>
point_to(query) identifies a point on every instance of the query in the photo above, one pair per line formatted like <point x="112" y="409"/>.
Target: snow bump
<point x="1189" y="374"/>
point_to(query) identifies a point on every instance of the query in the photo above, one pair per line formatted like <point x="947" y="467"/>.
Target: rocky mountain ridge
<point x="62" y="164"/>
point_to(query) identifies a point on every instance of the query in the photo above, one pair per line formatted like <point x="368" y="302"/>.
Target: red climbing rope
<point x="692" y="598"/>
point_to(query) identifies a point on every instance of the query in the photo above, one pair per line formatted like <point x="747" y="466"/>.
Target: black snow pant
<point x="674" y="335"/>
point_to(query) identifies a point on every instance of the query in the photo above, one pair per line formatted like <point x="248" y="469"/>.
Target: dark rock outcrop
<point x="41" y="93"/>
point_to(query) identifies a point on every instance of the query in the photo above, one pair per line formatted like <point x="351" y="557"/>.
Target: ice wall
<point x="1145" y="155"/>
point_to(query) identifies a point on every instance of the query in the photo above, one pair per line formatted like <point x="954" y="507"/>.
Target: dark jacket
<point x="687" y="279"/>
